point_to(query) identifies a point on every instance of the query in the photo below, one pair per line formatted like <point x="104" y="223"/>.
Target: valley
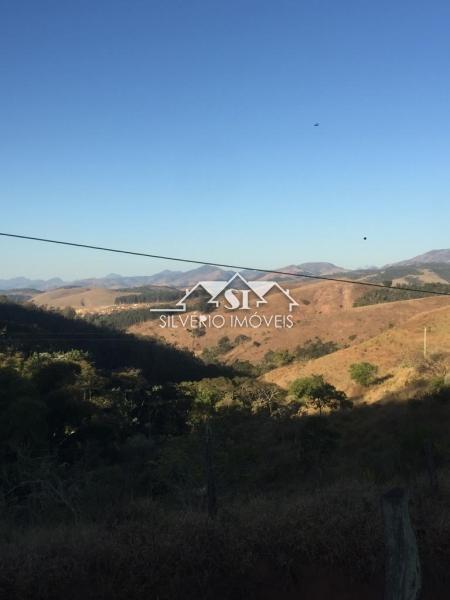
<point x="108" y="417"/>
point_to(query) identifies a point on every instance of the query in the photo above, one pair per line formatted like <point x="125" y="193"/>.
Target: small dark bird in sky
<point x="364" y="238"/>
<point x="316" y="124"/>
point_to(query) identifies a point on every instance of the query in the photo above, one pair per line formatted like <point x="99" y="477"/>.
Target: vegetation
<point x="396" y="293"/>
<point x="16" y="297"/>
<point x="410" y="273"/>
<point x="122" y="319"/>
<point x="396" y="272"/>
<point x="364" y="373"/>
<point x="311" y="350"/>
<point x="314" y="392"/>
<point x="315" y="349"/>
<point x="28" y="329"/>
<point x="441" y="269"/>
<point x="109" y="442"/>
<point x="212" y="354"/>
<point x="148" y="294"/>
<point x="272" y="359"/>
<point x="276" y="358"/>
<point x="155" y="552"/>
<point x="137" y="502"/>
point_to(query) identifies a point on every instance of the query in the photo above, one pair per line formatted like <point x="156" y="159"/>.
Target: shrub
<point x="317" y="393"/>
<point x="241" y="338"/>
<point x="315" y="349"/>
<point x="363" y="373"/>
<point x="277" y="358"/>
<point x="224" y="344"/>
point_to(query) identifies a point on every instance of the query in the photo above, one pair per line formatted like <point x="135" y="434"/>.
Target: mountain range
<point x="181" y="279"/>
<point x="433" y="256"/>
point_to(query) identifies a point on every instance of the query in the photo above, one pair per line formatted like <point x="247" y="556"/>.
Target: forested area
<point x="398" y="292"/>
<point x="139" y="295"/>
<point x="122" y="319"/>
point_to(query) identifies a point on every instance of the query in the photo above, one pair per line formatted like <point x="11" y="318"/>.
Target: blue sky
<point x="186" y="128"/>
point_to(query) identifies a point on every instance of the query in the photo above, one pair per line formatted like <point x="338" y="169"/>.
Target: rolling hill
<point x="398" y="352"/>
<point x="309" y="268"/>
<point x="325" y="311"/>
<point x="433" y="256"/>
<point x="28" y="329"/>
<point x="77" y="297"/>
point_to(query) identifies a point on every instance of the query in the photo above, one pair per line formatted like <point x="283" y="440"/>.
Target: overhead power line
<point x="221" y="265"/>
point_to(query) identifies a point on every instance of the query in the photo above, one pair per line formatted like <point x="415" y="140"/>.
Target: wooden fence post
<point x="403" y="578"/>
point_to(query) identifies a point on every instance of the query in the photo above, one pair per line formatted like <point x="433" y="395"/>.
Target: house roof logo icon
<point x="216" y="288"/>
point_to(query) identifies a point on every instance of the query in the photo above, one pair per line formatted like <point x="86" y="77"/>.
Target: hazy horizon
<point x="174" y="266"/>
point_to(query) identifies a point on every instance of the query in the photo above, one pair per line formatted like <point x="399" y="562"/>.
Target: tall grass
<point x="259" y="547"/>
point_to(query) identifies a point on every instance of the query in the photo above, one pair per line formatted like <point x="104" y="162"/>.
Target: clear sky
<point x="186" y="127"/>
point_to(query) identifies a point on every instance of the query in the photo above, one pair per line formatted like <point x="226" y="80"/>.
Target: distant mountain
<point x="19" y="283"/>
<point x="318" y="268"/>
<point x="433" y="256"/>
<point x="309" y="268"/>
<point x="180" y="279"/>
<point x="187" y="278"/>
<point x="436" y="260"/>
<point x="114" y="281"/>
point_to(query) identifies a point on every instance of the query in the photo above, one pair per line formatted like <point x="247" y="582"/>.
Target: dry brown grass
<point x="308" y="538"/>
<point x="260" y="548"/>
<point x="78" y="298"/>
<point x="397" y="352"/>
<point x="424" y="276"/>
<point x="328" y="314"/>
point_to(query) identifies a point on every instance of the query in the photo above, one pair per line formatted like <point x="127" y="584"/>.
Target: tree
<point x="224" y="344"/>
<point x="68" y="312"/>
<point x="317" y="393"/>
<point x="259" y="396"/>
<point x="363" y="373"/>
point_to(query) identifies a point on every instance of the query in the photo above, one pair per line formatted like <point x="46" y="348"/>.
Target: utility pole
<point x="424" y="342"/>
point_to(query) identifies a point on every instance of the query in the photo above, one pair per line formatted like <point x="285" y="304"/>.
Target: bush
<point x="277" y="358"/>
<point x="317" y="393"/>
<point x="363" y="373"/>
<point x="224" y="344"/>
<point x="241" y="338"/>
<point x="315" y="349"/>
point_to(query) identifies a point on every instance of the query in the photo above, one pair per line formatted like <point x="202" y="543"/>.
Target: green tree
<point x="315" y="392"/>
<point x="364" y="373"/>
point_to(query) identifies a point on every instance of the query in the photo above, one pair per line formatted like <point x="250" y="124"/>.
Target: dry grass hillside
<point x="78" y="298"/>
<point x="325" y="311"/>
<point x="424" y="276"/>
<point x="398" y="352"/>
